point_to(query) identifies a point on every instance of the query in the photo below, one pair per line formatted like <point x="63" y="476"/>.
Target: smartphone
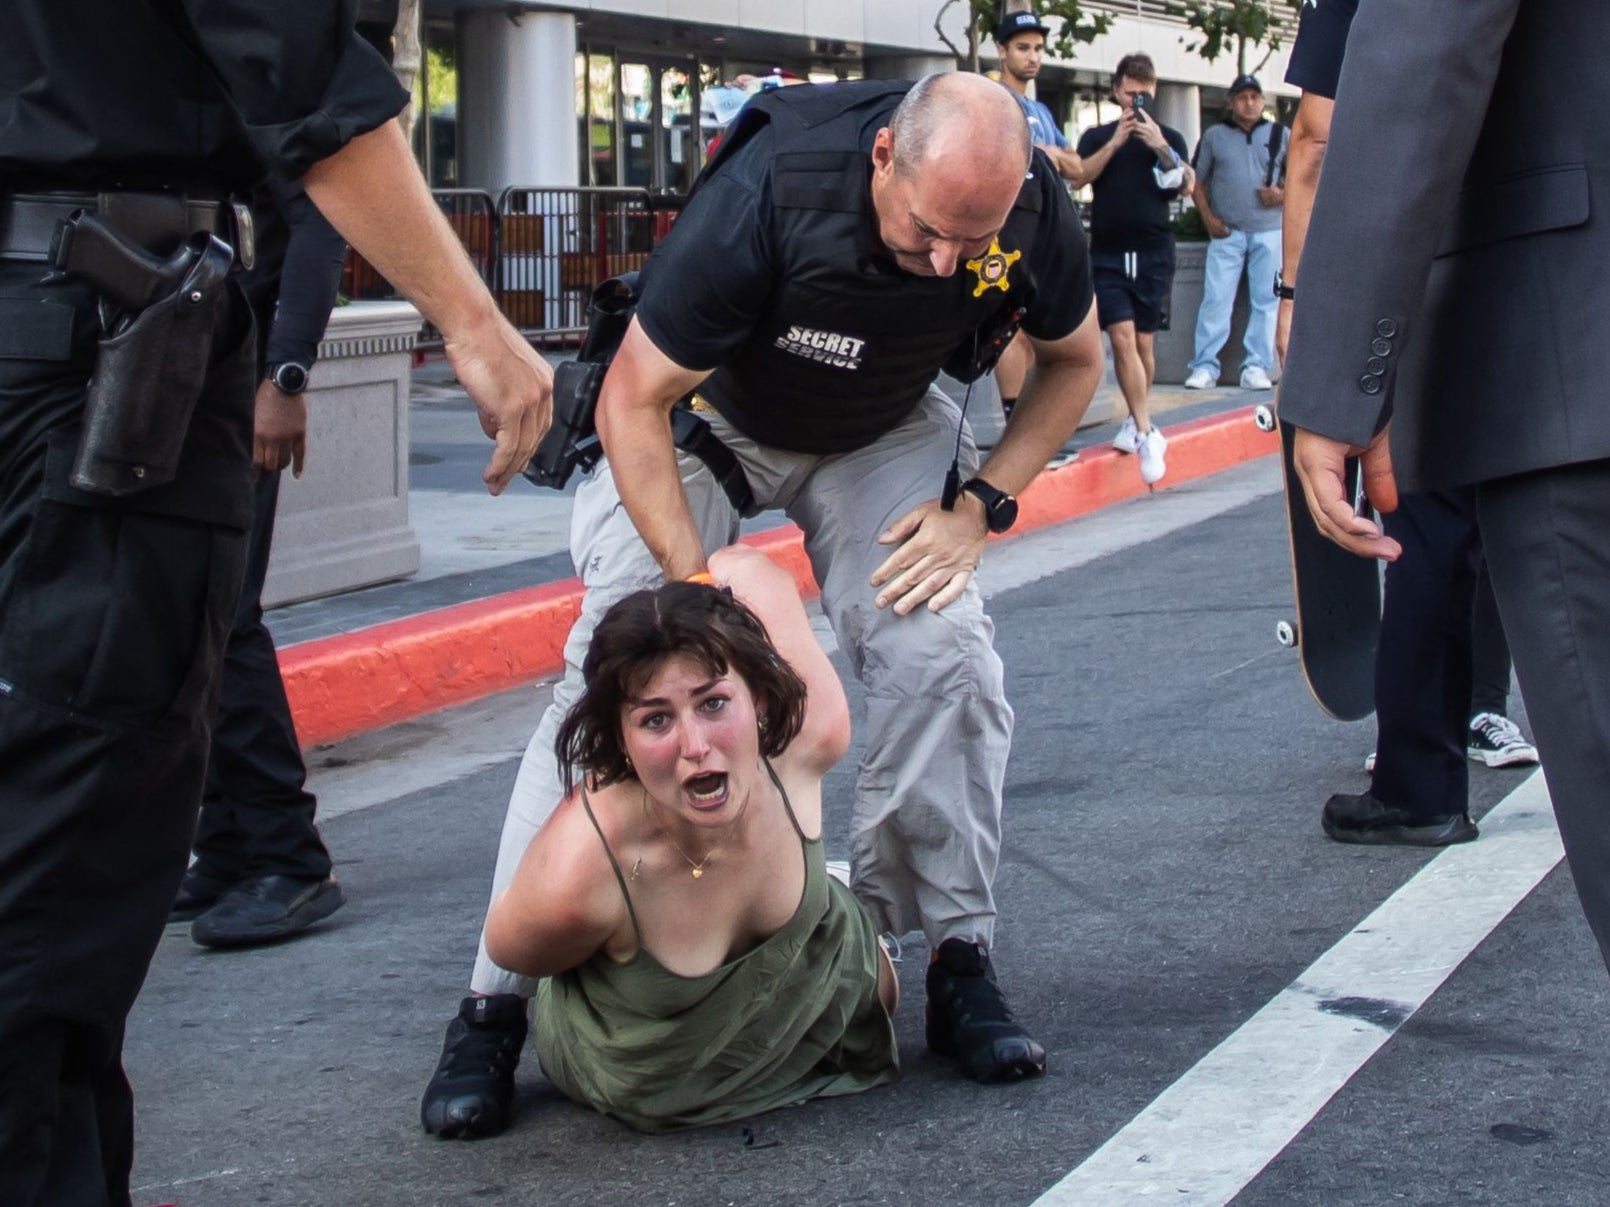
<point x="1142" y="100"/>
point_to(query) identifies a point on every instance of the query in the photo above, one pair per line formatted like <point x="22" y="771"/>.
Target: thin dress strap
<point x="620" y="879"/>
<point x="784" y="793"/>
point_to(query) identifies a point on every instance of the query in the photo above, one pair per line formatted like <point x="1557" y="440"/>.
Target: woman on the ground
<point x="701" y="965"/>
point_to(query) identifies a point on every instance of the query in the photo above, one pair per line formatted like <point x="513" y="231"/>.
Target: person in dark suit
<point x="1453" y="288"/>
<point x="1442" y="666"/>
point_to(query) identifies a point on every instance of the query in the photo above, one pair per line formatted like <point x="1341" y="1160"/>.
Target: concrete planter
<point x="344" y="523"/>
<point x="1174" y="347"/>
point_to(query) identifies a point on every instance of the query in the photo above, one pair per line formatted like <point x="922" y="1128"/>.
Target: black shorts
<point x="1133" y="287"/>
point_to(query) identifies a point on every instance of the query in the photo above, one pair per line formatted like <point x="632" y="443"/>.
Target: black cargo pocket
<point x="120" y="609"/>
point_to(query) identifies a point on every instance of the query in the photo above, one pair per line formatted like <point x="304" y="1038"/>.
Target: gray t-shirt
<point x="1234" y="164"/>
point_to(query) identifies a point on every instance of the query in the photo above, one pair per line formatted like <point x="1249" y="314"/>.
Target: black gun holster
<point x="572" y="438"/>
<point x="151" y="364"/>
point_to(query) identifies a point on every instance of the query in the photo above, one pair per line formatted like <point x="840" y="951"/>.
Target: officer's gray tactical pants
<point x="927" y="817"/>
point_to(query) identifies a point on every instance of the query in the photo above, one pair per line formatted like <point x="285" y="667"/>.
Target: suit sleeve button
<point x="1381" y="346"/>
<point x="1387" y="328"/>
<point x="1370" y="384"/>
<point x="1375" y="365"/>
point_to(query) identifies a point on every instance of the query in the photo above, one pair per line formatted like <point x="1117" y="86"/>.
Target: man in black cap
<point x="1020" y="44"/>
<point x="127" y="368"/>
<point x="1240" y="170"/>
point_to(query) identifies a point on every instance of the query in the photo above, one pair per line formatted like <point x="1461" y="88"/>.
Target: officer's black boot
<point x="969" y="1021"/>
<point x="472" y="1091"/>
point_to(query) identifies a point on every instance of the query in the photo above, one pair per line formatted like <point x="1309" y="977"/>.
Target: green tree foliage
<point x="1070" y="24"/>
<point x="1245" y="25"/>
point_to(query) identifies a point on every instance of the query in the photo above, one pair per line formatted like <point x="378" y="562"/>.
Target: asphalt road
<point x="1163" y="879"/>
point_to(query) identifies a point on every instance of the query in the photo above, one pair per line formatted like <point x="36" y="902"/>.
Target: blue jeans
<point x="1260" y="253"/>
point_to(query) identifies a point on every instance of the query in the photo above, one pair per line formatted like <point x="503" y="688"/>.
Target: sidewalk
<point x="495" y="592"/>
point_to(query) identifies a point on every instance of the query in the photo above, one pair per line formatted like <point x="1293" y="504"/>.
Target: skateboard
<point x="1338" y="598"/>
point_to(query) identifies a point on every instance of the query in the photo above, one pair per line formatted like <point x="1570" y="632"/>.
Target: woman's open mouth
<point x="707" y="790"/>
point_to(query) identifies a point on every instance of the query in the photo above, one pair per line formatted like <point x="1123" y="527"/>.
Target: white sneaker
<point x="1128" y="438"/>
<point x="1151" y="449"/>
<point x="1203" y="379"/>
<point x="1254" y="378"/>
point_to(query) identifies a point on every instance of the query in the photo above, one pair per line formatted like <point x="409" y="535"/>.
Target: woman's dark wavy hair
<point x="631" y="643"/>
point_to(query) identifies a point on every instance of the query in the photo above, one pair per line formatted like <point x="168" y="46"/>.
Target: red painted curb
<point x="350" y="684"/>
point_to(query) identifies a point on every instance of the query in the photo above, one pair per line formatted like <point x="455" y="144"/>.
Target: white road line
<point x="1211" y="1132"/>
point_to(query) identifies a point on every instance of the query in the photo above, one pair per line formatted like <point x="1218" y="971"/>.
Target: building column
<point x="517" y="99"/>
<point x="1180" y="106"/>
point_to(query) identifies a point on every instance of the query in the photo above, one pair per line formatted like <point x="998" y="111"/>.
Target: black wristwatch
<point x="1000" y="508"/>
<point x="288" y="377"/>
<point x="1283" y="291"/>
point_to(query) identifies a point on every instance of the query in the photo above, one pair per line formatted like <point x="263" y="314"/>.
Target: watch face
<point x="1003" y="515"/>
<point x="290" y="378"/>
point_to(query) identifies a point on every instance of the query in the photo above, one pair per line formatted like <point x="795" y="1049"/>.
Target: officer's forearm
<point x="1054" y="399"/>
<point x="642" y="461"/>
<point x="372" y="192"/>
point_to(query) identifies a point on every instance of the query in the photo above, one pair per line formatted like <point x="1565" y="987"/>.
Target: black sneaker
<point x="1497" y="741"/>
<point x="472" y="1091"/>
<point x="198" y="892"/>
<point x="1366" y="821"/>
<point x="969" y="1021"/>
<point x="266" y="909"/>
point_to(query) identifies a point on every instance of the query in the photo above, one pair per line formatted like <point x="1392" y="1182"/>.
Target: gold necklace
<point x="698" y="868"/>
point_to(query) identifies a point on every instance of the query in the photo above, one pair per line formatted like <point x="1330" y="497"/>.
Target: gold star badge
<point x="991" y="270"/>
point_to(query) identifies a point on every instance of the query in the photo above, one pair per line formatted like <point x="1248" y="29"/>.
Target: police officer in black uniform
<point x="126" y="381"/>
<point x="261" y="871"/>
<point x="848" y="242"/>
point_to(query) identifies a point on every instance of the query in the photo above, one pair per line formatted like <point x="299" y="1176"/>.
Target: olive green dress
<point x="797" y="1017"/>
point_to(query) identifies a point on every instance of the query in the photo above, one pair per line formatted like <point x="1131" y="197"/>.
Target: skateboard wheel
<point x="1286" y="634"/>
<point x="1264" y="418"/>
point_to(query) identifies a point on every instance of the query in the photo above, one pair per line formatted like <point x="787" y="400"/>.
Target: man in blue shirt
<point x="1020" y="44"/>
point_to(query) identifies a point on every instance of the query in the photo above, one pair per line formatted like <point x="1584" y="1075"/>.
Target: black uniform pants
<point x="113" y="617"/>
<point x="1547" y="536"/>
<point x="256" y="814"/>
<point x="1442" y="656"/>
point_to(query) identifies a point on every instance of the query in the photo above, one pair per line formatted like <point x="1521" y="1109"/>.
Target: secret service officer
<point x="849" y="240"/>
<point x="115" y="590"/>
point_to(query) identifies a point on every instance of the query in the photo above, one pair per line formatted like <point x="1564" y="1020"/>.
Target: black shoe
<point x="265" y="908"/>
<point x="968" y="1019"/>
<point x="198" y="892"/>
<point x="472" y="1091"/>
<point x="1363" y="819"/>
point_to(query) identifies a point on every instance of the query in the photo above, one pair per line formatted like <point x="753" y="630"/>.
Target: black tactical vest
<point x="848" y="342"/>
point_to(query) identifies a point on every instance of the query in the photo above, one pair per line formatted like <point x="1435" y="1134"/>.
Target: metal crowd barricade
<point x="541" y="251"/>
<point x="560" y="243"/>
<point x="474" y="218"/>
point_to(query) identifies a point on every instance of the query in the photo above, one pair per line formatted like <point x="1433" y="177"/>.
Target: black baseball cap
<point x="1245" y="81"/>
<point x="1019" y="23"/>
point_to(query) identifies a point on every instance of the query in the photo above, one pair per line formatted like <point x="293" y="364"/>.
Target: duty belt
<point x="159" y="222"/>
